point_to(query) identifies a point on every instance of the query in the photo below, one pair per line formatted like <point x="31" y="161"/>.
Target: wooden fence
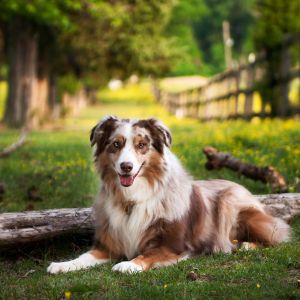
<point x="235" y="93"/>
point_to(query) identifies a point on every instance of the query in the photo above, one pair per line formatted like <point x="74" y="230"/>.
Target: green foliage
<point x="275" y="19"/>
<point x="42" y="12"/>
<point x="208" y="32"/>
<point x="95" y="40"/>
<point x="197" y="29"/>
<point x="135" y="43"/>
<point x="59" y="164"/>
<point x="69" y="84"/>
<point x="180" y="29"/>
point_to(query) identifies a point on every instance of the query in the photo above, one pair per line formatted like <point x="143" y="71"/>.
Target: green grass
<point x="59" y="165"/>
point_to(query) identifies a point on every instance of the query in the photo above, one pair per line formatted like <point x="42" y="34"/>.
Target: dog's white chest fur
<point x="150" y="204"/>
<point x="128" y="228"/>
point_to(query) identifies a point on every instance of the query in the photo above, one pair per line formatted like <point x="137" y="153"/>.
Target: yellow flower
<point x="165" y="286"/>
<point x="235" y="241"/>
<point x="258" y="285"/>
<point x="68" y="294"/>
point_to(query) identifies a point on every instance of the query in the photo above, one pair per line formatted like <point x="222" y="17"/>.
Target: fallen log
<point x="268" y="174"/>
<point x="13" y="147"/>
<point x="284" y="206"/>
<point x="23" y="227"/>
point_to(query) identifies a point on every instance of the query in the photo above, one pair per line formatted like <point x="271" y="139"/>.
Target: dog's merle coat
<point x="152" y="213"/>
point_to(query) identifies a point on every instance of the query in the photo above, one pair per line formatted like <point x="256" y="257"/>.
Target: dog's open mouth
<point x="127" y="180"/>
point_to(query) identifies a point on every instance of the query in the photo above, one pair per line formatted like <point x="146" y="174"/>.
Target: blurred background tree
<point x="180" y="29"/>
<point x="22" y="25"/>
<point x="208" y="32"/>
<point x="52" y="48"/>
<point x="90" y="40"/>
<point x="197" y="27"/>
<point x="275" y="20"/>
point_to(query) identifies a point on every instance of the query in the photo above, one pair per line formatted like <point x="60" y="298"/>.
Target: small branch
<point x="12" y="148"/>
<point x="217" y="160"/>
<point x="23" y="227"/>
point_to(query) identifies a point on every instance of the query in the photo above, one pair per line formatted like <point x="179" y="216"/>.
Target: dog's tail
<point x="263" y="228"/>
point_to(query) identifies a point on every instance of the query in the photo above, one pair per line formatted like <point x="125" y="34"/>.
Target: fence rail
<point x="235" y="93"/>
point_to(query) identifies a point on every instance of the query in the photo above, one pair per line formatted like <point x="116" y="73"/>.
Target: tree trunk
<point x="278" y="67"/>
<point x="54" y="106"/>
<point x="73" y="104"/>
<point x="91" y="95"/>
<point x="22" y="54"/>
<point x="23" y="227"/>
<point x="39" y="103"/>
<point x="285" y="67"/>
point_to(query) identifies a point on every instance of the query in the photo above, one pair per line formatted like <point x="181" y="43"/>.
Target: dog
<point x="151" y="213"/>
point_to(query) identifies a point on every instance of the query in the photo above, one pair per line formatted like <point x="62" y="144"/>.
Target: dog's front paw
<point x="127" y="267"/>
<point x="61" y="267"/>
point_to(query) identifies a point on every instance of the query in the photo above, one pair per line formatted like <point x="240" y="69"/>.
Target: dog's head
<point x="127" y="149"/>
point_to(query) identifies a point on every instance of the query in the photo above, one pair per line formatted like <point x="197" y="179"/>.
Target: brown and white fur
<point x="152" y="213"/>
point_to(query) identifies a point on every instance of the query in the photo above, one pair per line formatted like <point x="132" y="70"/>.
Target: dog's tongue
<point x="126" y="180"/>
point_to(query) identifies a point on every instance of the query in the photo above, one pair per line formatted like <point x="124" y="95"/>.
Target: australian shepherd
<point x="151" y="213"/>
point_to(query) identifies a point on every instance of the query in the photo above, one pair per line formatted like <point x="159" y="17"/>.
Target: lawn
<point x="57" y="164"/>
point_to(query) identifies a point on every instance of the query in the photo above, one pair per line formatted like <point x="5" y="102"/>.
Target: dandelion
<point x="258" y="285"/>
<point x="68" y="294"/>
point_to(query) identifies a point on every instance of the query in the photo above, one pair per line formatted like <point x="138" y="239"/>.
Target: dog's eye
<point x="117" y="145"/>
<point x="141" y="145"/>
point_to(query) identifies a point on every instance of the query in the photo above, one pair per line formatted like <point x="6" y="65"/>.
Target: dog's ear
<point x="163" y="130"/>
<point x="159" y="132"/>
<point x="101" y="132"/>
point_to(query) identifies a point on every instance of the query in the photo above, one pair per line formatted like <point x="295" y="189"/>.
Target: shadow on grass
<point x="55" y="248"/>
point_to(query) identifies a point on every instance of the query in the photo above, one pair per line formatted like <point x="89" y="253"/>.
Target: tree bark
<point x="73" y="104"/>
<point x="284" y="206"/>
<point x="22" y="48"/>
<point x="284" y="83"/>
<point x="39" y="101"/>
<point x="53" y="101"/>
<point x="24" y="227"/>
<point x="278" y="66"/>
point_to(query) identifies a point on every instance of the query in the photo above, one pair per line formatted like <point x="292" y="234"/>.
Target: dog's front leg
<point x="86" y="260"/>
<point x="153" y="258"/>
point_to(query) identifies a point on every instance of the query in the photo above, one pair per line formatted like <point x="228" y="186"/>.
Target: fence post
<point x="237" y="81"/>
<point x="285" y="67"/>
<point x="219" y="98"/>
<point x="248" y="110"/>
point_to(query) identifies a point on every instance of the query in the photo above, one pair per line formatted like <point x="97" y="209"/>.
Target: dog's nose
<point x="126" y="167"/>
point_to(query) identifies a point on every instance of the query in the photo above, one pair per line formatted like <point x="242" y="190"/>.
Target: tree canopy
<point x="89" y="41"/>
<point x="84" y="43"/>
<point x="115" y="38"/>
